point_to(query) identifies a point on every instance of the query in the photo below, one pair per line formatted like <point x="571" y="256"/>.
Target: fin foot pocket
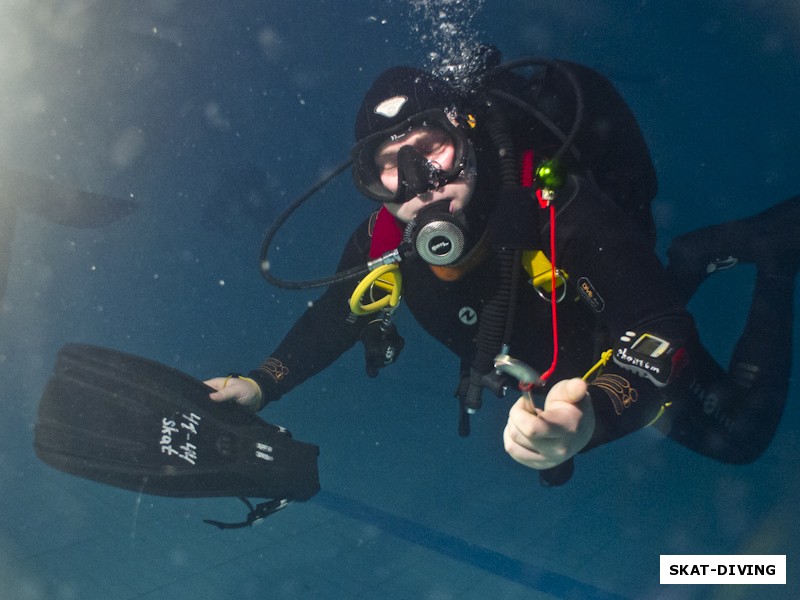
<point x="769" y="239"/>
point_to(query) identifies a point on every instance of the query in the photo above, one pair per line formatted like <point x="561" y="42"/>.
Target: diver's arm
<point x="578" y="417"/>
<point x="619" y="277"/>
<point x="624" y="399"/>
<point x="320" y="336"/>
<point x="317" y="339"/>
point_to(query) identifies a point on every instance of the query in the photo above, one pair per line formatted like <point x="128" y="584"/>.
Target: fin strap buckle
<point x="256" y="514"/>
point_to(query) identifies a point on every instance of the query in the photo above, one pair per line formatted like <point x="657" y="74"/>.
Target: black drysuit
<point x="600" y="249"/>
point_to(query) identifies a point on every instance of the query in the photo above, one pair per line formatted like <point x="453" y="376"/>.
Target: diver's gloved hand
<point x="242" y="390"/>
<point x="544" y="439"/>
<point x="382" y="346"/>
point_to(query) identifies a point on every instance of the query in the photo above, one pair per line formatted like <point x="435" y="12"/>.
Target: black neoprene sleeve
<point x="320" y="336"/>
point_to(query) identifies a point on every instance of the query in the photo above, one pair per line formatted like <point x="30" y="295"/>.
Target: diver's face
<point x="437" y="147"/>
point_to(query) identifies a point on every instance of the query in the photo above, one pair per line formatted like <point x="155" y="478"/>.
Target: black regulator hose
<point x="568" y="139"/>
<point x="503" y="142"/>
<point x="263" y="256"/>
<point x="492" y="327"/>
<point x="496" y="319"/>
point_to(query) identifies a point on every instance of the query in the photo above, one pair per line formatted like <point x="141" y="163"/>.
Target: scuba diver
<point x="515" y="223"/>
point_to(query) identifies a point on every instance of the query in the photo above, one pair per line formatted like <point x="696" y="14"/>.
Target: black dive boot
<point x="770" y="240"/>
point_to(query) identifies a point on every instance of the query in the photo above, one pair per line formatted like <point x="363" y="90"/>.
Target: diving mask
<point x="416" y="174"/>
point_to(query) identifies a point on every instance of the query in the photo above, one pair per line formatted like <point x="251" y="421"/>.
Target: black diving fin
<point x="136" y="424"/>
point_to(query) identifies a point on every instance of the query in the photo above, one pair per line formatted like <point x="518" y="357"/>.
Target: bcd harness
<point x="492" y="366"/>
